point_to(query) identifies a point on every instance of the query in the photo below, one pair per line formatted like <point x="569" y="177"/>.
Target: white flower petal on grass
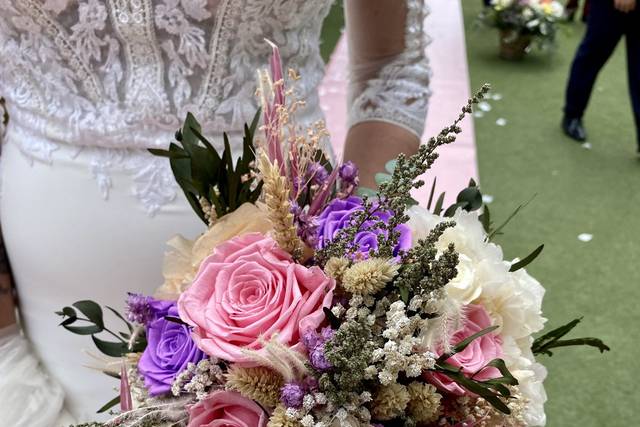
<point x="585" y="237"/>
<point x="501" y="121"/>
<point x="487" y="198"/>
<point x="586" y="146"/>
<point x="484" y="106"/>
<point x="496" y="96"/>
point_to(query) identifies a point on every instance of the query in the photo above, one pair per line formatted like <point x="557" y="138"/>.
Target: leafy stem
<point x="552" y="339"/>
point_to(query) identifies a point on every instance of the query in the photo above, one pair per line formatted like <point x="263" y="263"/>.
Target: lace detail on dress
<point x="115" y="77"/>
<point x="400" y="92"/>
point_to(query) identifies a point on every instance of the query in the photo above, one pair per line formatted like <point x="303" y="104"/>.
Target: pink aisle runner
<point x="450" y="87"/>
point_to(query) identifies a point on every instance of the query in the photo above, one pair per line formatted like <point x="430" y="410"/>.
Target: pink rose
<point x="228" y="409"/>
<point x="251" y="289"/>
<point x="477" y="354"/>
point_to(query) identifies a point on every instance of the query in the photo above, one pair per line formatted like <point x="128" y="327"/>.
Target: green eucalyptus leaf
<point x="451" y="210"/>
<point x="67" y="311"/>
<point x="368" y="192"/>
<point x="472" y="197"/>
<point x="382" y="178"/>
<point x="83" y="330"/>
<point x="390" y="166"/>
<point x="113" y="349"/>
<point x="92" y="310"/>
<point x="68" y="321"/>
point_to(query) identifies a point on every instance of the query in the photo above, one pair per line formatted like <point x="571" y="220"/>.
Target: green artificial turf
<point x="578" y="191"/>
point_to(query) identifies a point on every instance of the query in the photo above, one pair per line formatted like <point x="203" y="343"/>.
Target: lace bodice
<point x="114" y="77"/>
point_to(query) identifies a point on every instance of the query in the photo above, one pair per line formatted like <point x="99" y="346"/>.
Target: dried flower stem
<point x="276" y="194"/>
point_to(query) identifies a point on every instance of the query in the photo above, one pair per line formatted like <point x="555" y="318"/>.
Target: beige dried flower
<point x="336" y="267"/>
<point x="260" y="384"/>
<point x="390" y="402"/>
<point x="279" y="419"/>
<point x="424" y="406"/>
<point x="276" y="194"/>
<point x="369" y="276"/>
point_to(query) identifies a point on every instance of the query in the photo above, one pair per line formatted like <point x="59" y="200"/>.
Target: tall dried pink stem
<point x="125" y="390"/>
<point x="272" y="107"/>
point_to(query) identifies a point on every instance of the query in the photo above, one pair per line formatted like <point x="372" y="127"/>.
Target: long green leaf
<point x="431" y="193"/>
<point x="110" y="404"/>
<point x="465" y="343"/>
<point x="509" y="218"/>
<point x="485" y="219"/>
<point x="438" y="208"/>
<point x="527" y="260"/>
<point x="552" y="339"/>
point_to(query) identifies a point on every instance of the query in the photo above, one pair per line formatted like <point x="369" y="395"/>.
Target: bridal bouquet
<point x="522" y="21"/>
<point x="310" y="303"/>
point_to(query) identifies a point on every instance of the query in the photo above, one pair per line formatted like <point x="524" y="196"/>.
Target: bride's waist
<point x="106" y="130"/>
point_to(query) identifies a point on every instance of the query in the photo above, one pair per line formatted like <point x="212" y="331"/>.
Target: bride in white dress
<point x="89" y="85"/>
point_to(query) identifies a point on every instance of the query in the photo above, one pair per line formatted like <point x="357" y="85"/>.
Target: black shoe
<point x="574" y="129"/>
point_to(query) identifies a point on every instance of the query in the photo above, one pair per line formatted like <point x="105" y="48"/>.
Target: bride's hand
<point x="370" y="145"/>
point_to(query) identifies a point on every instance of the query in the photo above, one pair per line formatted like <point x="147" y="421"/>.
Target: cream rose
<point x="184" y="256"/>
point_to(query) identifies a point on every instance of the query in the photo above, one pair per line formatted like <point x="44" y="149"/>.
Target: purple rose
<point x="338" y="214"/>
<point x="169" y="349"/>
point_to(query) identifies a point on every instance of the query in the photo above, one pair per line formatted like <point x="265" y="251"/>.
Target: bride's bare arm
<point x="389" y="81"/>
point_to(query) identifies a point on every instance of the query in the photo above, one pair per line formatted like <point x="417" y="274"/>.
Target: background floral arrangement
<point x="530" y="18"/>
<point x="307" y="302"/>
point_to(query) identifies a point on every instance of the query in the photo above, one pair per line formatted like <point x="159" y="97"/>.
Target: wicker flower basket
<point x="513" y="46"/>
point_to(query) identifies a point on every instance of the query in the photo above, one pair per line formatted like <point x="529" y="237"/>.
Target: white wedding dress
<point x="89" y="85"/>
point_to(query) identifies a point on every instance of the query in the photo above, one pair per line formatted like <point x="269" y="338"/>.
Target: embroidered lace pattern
<point x="114" y="77"/>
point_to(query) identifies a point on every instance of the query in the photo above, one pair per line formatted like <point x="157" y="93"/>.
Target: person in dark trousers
<point x="608" y="21"/>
